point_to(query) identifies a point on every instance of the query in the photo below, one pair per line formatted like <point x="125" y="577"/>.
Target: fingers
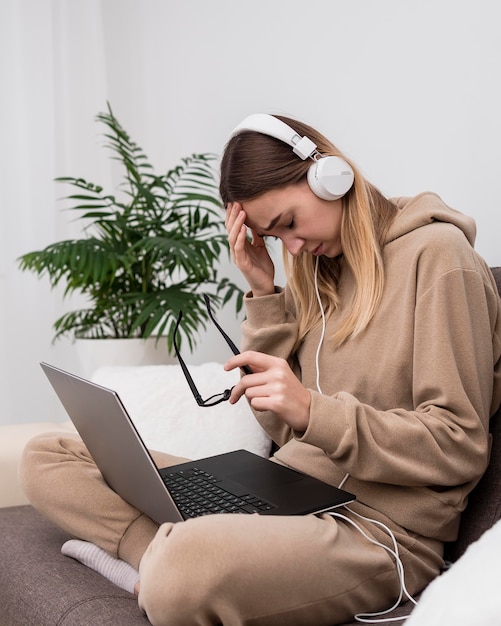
<point x="257" y="361"/>
<point x="237" y="231"/>
<point x="261" y="366"/>
<point x="272" y="387"/>
<point x="251" y="257"/>
<point x="244" y="360"/>
<point x="234" y="218"/>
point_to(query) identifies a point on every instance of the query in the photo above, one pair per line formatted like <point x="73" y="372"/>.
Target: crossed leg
<point x="221" y="569"/>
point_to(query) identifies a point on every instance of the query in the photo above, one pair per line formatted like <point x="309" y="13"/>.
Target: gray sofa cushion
<point x="41" y="587"/>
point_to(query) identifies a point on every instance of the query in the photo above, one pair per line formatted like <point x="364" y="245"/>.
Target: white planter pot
<point x="96" y="353"/>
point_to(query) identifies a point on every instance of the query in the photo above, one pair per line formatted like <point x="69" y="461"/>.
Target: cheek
<point x="332" y="223"/>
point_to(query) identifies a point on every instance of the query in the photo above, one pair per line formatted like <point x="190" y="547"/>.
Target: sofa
<point x="41" y="587"/>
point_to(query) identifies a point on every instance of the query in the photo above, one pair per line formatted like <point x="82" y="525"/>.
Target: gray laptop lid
<point x="125" y="463"/>
<point x="114" y="443"/>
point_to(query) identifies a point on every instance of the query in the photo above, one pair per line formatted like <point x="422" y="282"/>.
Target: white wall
<point x="409" y="90"/>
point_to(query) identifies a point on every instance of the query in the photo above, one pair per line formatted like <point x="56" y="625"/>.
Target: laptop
<point x="232" y="482"/>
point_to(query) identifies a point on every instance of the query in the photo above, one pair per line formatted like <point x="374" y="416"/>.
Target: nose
<point x="294" y="245"/>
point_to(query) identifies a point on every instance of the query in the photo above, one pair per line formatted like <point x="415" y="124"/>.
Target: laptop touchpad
<point x="265" y="476"/>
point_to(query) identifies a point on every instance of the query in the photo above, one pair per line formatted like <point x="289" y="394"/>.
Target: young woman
<point x="376" y="368"/>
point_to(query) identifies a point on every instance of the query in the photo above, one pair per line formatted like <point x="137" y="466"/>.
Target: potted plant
<point x="146" y="252"/>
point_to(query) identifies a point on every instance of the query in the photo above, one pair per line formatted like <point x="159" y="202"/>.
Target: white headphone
<point x="329" y="177"/>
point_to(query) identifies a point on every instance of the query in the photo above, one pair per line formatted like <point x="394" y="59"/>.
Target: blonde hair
<point x="253" y="164"/>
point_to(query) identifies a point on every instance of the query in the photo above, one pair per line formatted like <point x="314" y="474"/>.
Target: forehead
<point x="264" y="209"/>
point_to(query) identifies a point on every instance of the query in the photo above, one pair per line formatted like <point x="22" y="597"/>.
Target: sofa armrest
<point x="13" y="439"/>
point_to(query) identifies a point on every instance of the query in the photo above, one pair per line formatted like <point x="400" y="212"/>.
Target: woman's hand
<point x="251" y="257"/>
<point x="272" y="387"/>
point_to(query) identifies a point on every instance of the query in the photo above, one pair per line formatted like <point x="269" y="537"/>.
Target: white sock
<point x="117" y="571"/>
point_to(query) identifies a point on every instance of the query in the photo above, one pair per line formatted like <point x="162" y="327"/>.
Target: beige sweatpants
<point x="226" y="569"/>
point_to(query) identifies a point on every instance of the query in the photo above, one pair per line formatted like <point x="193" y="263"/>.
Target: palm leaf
<point x="146" y="256"/>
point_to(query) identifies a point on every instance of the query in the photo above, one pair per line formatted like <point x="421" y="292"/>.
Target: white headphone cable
<point x="317" y="356"/>
<point x="368" y="618"/>
<point x="377" y="617"/>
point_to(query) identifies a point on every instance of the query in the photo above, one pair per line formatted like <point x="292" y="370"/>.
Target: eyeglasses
<point x="218" y="397"/>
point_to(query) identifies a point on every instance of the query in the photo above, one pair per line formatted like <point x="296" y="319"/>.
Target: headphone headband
<point x="270" y="125"/>
<point x="329" y="177"/>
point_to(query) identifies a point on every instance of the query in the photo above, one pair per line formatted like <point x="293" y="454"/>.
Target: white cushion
<point x="168" y="418"/>
<point x="468" y="593"/>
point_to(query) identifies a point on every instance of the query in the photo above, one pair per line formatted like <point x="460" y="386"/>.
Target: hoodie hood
<point x="423" y="210"/>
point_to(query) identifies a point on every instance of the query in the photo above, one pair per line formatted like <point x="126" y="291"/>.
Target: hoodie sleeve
<point x="443" y="439"/>
<point x="271" y="327"/>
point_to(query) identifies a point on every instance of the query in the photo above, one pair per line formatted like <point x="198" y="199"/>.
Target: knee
<point x="180" y="576"/>
<point x="31" y="457"/>
<point x="39" y="456"/>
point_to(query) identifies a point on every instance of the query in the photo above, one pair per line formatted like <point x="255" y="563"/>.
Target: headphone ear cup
<point x="330" y="177"/>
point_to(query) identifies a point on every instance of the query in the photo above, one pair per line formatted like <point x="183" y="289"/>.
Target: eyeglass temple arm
<point x="186" y="372"/>
<point x="233" y="347"/>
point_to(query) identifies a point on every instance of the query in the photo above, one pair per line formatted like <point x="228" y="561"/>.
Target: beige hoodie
<point x="405" y="406"/>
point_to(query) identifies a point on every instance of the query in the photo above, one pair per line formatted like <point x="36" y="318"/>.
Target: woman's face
<point x="300" y="219"/>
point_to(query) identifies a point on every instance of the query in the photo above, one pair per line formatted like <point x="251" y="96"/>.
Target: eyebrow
<point x="273" y="222"/>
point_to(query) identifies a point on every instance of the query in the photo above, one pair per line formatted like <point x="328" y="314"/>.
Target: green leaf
<point x="146" y="250"/>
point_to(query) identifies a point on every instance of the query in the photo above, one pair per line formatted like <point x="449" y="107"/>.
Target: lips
<point x="318" y="250"/>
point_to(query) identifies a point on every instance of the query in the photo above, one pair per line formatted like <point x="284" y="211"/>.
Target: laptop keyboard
<point x="197" y="493"/>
